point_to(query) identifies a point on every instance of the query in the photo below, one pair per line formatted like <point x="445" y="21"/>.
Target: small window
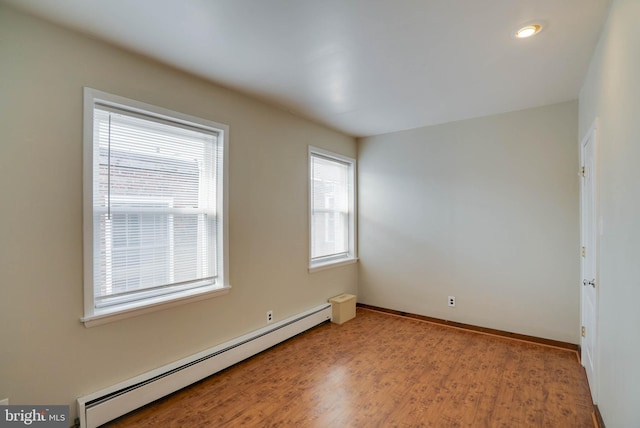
<point x="332" y="209"/>
<point x="155" y="223"/>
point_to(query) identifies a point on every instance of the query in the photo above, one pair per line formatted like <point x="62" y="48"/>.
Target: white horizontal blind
<point x="329" y="208"/>
<point x="154" y="206"/>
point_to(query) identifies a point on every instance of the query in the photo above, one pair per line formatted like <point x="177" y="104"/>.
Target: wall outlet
<point x="269" y="316"/>
<point x="4" y="402"/>
<point x="452" y="301"/>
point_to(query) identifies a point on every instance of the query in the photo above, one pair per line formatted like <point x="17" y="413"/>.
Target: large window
<point x="155" y="224"/>
<point x="332" y="208"/>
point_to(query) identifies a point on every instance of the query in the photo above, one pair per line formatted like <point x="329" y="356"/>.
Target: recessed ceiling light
<point x="528" y="31"/>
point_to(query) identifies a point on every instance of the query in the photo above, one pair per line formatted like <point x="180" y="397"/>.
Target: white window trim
<point x="92" y="315"/>
<point x="352" y="255"/>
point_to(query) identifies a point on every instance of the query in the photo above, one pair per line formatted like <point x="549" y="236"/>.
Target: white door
<point x="589" y="238"/>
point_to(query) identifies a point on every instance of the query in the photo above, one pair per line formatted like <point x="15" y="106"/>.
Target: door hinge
<point x="583" y="331"/>
<point x="584" y="252"/>
<point x="582" y="171"/>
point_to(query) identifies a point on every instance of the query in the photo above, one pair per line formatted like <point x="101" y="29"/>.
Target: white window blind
<point x="332" y="207"/>
<point x="156" y="208"/>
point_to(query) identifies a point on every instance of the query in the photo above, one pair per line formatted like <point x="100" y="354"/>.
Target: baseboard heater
<point x="109" y="403"/>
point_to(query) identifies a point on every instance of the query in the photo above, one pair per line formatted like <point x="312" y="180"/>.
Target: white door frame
<point x="592" y="134"/>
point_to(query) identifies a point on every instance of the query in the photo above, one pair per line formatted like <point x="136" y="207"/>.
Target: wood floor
<point x="381" y="370"/>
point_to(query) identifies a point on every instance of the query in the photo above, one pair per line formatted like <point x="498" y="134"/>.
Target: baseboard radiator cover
<point x="112" y="402"/>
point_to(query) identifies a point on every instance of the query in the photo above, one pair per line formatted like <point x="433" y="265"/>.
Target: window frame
<point x="351" y="256"/>
<point x="96" y="316"/>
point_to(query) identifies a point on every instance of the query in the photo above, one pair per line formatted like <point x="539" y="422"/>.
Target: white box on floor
<point x="343" y="308"/>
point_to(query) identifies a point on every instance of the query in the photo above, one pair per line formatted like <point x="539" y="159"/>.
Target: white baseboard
<point x="109" y="403"/>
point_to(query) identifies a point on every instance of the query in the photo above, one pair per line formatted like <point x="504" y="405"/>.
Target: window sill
<point x="132" y="310"/>
<point x="328" y="265"/>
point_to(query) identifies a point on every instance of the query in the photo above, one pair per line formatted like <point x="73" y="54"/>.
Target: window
<point x="155" y="207"/>
<point x="332" y="208"/>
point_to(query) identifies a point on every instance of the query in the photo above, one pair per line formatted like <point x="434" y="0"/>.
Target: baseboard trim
<point x="471" y="327"/>
<point x="597" y="416"/>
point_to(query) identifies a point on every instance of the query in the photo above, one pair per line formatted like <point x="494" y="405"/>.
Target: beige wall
<point x="611" y="93"/>
<point x="485" y="210"/>
<point x="46" y="355"/>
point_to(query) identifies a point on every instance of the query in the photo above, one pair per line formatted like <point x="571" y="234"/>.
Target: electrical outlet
<point x="452" y="301"/>
<point x="4" y="402"/>
<point x="269" y="316"/>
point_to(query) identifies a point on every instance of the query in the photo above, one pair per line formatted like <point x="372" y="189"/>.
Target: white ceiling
<point x="364" y="67"/>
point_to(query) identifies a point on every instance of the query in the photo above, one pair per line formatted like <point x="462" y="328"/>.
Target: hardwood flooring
<point x="381" y="370"/>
